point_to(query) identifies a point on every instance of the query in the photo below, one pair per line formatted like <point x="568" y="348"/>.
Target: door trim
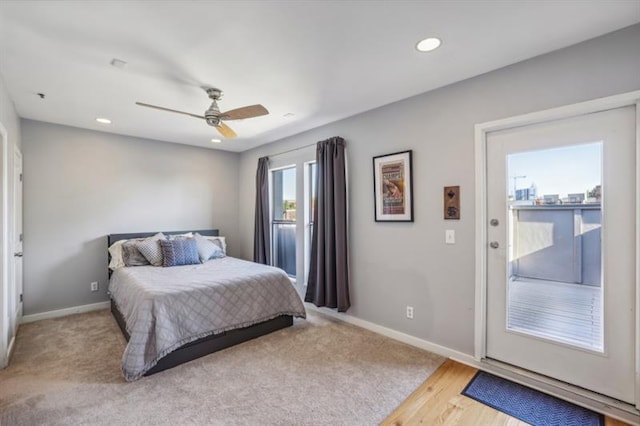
<point x="4" y="249"/>
<point x="16" y="309"/>
<point x="481" y="131"/>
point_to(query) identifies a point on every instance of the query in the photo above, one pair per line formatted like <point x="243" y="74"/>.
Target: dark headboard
<point x="112" y="238"/>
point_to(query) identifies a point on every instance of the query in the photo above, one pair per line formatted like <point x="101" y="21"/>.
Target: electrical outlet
<point x="410" y="312"/>
<point x="94" y="286"/>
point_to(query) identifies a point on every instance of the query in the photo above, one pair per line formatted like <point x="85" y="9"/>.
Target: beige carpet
<point x="318" y="372"/>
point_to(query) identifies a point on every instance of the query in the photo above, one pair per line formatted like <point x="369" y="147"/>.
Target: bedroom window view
<point x="283" y="224"/>
<point x="555" y="256"/>
<point x="311" y="198"/>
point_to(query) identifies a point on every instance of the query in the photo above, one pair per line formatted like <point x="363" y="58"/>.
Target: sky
<point x="289" y="183"/>
<point x="566" y="170"/>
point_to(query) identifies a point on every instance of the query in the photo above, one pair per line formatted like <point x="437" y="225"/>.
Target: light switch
<point x="450" y="236"/>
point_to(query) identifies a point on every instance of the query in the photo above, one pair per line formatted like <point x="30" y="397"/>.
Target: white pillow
<point x="220" y="240"/>
<point x="115" y="251"/>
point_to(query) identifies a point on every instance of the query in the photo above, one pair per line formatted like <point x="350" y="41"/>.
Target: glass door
<point x="554" y="214"/>
<point x="561" y="209"/>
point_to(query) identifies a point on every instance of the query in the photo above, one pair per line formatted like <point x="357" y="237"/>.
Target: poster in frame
<point x="393" y="187"/>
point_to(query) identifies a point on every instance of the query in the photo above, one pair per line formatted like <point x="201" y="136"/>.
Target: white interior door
<point x="5" y="251"/>
<point x="561" y="205"/>
<point x="16" y="299"/>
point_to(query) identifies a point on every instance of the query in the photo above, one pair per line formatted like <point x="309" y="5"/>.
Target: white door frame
<point x="16" y="308"/>
<point x="4" y="248"/>
<point x="481" y="130"/>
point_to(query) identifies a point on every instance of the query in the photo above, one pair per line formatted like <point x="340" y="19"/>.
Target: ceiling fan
<point x="214" y="117"/>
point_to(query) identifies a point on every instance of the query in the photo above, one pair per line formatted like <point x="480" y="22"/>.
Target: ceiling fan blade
<point x="169" y="110"/>
<point x="244" y="112"/>
<point x="226" y="131"/>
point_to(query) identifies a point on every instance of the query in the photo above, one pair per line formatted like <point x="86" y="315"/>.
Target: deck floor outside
<point x="564" y="312"/>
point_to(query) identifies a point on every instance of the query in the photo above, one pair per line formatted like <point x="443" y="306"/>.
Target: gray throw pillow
<point x="131" y="255"/>
<point x="207" y="249"/>
<point x="179" y="252"/>
<point x="150" y="249"/>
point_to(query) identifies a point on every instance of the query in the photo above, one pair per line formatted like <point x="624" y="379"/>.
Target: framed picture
<point x="393" y="188"/>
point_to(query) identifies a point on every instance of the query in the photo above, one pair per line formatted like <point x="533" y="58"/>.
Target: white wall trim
<point x="481" y="131"/>
<point x="64" y="312"/>
<point x="638" y="255"/>
<point x="4" y="248"/>
<point x="15" y="307"/>
<point x="481" y="238"/>
<point x="396" y="335"/>
<point x="12" y="346"/>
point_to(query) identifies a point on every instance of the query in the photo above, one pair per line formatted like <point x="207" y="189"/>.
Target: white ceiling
<point x="321" y="60"/>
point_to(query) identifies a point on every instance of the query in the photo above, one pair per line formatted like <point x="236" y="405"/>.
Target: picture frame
<point x="393" y="187"/>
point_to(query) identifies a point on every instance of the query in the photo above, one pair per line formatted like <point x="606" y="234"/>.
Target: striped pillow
<point x="179" y="252"/>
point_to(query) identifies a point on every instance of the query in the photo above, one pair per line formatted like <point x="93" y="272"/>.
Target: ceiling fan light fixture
<point x="103" y="120"/>
<point x="428" y="44"/>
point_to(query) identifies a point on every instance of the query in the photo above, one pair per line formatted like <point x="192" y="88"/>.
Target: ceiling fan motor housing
<point x="212" y="115"/>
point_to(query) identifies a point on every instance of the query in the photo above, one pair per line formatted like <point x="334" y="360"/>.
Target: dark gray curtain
<point x="328" y="283"/>
<point x="261" y="238"/>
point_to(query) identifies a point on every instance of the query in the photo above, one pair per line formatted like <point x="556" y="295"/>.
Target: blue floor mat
<point x="528" y="405"/>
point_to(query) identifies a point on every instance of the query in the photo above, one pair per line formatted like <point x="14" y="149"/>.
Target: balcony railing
<point x="284" y="245"/>
<point x="557" y="243"/>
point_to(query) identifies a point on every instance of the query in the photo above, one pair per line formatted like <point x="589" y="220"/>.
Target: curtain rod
<point x="291" y="150"/>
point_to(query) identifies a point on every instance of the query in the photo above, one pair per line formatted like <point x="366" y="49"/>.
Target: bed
<point x="173" y="315"/>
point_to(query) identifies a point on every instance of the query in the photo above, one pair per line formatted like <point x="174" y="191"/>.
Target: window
<point x="283" y="219"/>
<point x="310" y="202"/>
<point x="292" y="188"/>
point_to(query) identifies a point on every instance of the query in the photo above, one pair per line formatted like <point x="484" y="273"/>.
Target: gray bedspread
<point x="165" y="308"/>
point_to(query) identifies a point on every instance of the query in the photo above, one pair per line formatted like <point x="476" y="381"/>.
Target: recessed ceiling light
<point x="428" y="44"/>
<point x="216" y="140"/>
<point x="103" y="120"/>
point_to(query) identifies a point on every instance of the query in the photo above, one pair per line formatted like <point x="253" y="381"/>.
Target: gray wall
<point x="399" y="264"/>
<point x="80" y="185"/>
<point x="11" y="122"/>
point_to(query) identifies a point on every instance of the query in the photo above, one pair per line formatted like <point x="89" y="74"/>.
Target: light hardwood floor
<point x="438" y="402"/>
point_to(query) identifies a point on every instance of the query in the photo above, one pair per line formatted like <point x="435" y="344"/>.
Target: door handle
<point x="18" y="254"/>
<point x="494" y="244"/>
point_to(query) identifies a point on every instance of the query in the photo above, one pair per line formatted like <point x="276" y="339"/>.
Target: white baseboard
<point x="64" y="312"/>
<point x="6" y="358"/>
<point x="12" y="346"/>
<point x="396" y="335"/>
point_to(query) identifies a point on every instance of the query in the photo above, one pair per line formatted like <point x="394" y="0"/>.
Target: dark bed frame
<point x="205" y="345"/>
